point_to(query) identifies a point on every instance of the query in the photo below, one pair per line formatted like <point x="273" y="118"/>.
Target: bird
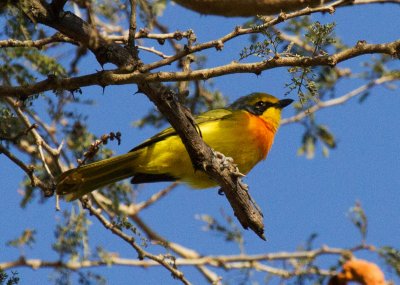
<point x="243" y="131"/>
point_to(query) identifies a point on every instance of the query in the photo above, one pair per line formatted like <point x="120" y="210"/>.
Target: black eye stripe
<point x="263" y="104"/>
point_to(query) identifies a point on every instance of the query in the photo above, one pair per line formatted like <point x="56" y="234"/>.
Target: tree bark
<point x="77" y="29"/>
<point x="247" y="8"/>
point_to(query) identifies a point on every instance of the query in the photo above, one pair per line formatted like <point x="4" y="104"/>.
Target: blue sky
<point x="298" y="196"/>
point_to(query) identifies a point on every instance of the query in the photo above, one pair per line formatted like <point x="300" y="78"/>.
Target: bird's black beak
<point x="284" y="102"/>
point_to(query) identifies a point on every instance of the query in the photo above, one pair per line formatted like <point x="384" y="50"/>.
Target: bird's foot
<point x="225" y="161"/>
<point x="228" y="163"/>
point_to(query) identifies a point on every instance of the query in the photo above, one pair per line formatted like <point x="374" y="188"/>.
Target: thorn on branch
<point x="178" y="35"/>
<point x="191" y="36"/>
<point x="30" y="169"/>
<point x="143" y="32"/>
<point x="50" y="190"/>
<point x="361" y="43"/>
<point x="331" y="10"/>
<point x="51" y="77"/>
<point x="219" y="45"/>
<point x="282" y="17"/>
<point x="187" y="48"/>
<point x="332" y="61"/>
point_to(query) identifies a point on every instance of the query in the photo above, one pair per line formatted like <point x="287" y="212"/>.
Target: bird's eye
<point x="259" y="107"/>
<point x="260" y="104"/>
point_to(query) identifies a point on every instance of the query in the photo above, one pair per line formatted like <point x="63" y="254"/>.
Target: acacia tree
<point x="43" y="130"/>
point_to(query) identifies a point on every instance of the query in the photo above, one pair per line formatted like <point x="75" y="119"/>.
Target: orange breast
<point x="263" y="133"/>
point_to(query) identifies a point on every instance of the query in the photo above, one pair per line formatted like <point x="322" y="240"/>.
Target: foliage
<point x="392" y="257"/>
<point x="230" y="232"/>
<point x="5" y="279"/>
<point x="27" y="238"/>
<point x="72" y="236"/>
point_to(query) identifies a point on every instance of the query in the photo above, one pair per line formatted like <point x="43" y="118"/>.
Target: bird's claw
<point x="225" y="161"/>
<point x="228" y="163"/>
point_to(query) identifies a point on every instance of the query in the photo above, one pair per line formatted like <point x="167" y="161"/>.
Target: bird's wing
<point x="206" y="117"/>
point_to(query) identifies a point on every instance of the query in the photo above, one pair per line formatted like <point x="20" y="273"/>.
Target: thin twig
<point x="39" y="44"/>
<point x="144" y="34"/>
<point x="177" y="248"/>
<point x="229" y="262"/>
<point x="35" y="181"/>
<point x="340" y="100"/>
<point x="153" y="50"/>
<point x="134" y="209"/>
<point x="131" y="241"/>
<point x="40" y="142"/>
<point x="132" y="26"/>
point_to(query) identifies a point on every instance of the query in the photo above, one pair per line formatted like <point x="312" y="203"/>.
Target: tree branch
<point x="134" y="209"/>
<point x="131" y="241"/>
<point x="58" y="5"/>
<point x="35" y="181"/>
<point x="77" y="29"/>
<point x="117" y="261"/>
<point x="132" y="26"/>
<point x="339" y="100"/>
<point x="116" y="77"/>
<point x="226" y="261"/>
<point x="39" y="44"/>
<point x="184" y="252"/>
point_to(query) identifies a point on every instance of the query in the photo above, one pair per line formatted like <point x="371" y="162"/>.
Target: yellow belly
<point x="244" y="137"/>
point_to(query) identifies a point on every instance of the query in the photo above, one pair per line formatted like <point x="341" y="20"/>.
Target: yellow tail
<point x="77" y="182"/>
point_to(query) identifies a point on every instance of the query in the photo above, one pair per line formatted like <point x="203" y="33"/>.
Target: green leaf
<point x="392" y="257"/>
<point x="27" y="238"/>
<point x="326" y="136"/>
<point x="359" y="219"/>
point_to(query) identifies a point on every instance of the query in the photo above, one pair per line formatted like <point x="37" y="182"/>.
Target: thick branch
<point x="58" y="5"/>
<point x="104" y="78"/>
<point x="77" y="29"/>
<point x="246" y="8"/>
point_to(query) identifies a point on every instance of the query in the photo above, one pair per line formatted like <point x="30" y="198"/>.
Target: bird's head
<point x="263" y="105"/>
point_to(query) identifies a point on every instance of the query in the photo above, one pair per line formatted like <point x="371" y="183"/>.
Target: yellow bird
<point x="244" y="130"/>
